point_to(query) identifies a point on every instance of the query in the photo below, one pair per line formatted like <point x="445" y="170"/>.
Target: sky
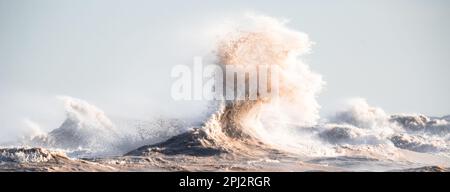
<point x="118" y="55"/>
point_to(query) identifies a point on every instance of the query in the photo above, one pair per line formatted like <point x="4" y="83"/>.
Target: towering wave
<point x="244" y="127"/>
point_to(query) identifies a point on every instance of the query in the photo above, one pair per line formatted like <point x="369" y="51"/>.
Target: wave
<point x="423" y="124"/>
<point x="87" y="131"/>
<point x="238" y="126"/>
<point x="86" y="128"/>
<point x="362" y="124"/>
<point x="29" y="155"/>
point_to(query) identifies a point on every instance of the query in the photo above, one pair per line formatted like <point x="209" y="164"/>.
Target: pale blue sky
<point x="118" y="54"/>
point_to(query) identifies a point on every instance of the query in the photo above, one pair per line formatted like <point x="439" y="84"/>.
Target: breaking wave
<point x="239" y="127"/>
<point x="87" y="131"/>
<point x="29" y="155"/>
<point x="362" y="124"/>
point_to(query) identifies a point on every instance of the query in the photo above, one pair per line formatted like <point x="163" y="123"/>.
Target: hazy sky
<point x="118" y="54"/>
